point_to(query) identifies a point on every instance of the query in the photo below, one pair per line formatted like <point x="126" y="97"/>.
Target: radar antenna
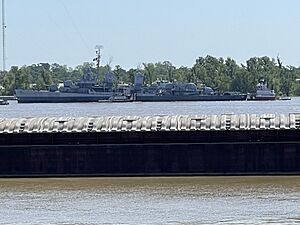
<point x="98" y="56"/>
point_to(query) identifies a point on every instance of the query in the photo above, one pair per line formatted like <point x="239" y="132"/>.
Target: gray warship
<point x="88" y="90"/>
<point x="84" y="90"/>
<point x="161" y="91"/>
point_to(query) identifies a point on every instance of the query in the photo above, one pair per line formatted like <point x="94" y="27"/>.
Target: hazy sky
<point x="137" y="31"/>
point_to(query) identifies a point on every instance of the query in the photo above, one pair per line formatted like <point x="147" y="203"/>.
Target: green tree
<point x="183" y="74"/>
<point x="120" y="74"/>
<point x="149" y="72"/>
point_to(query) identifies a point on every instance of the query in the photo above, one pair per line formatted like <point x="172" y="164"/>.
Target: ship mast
<point x="3" y="35"/>
<point x="98" y="56"/>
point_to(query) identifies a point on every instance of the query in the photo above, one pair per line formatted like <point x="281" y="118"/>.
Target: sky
<point x="136" y="31"/>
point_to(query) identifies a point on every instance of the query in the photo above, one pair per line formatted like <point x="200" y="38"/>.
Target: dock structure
<point x="150" y="146"/>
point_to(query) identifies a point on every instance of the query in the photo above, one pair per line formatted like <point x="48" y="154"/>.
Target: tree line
<point x="219" y="73"/>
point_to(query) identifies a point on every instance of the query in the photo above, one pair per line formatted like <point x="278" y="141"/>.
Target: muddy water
<point x="159" y="200"/>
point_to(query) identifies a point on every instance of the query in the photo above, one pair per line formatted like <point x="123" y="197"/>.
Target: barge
<point x="150" y="146"/>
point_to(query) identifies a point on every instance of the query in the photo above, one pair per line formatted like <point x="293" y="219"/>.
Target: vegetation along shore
<point x="220" y="73"/>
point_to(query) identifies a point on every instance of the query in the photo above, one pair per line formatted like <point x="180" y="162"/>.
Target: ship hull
<point x="169" y="98"/>
<point x="31" y="96"/>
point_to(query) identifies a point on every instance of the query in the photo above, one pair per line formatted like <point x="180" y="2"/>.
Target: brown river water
<point x="148" y="200"/>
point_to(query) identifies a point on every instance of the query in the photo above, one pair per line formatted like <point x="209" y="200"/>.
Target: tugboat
<point x="263" y="92"/>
